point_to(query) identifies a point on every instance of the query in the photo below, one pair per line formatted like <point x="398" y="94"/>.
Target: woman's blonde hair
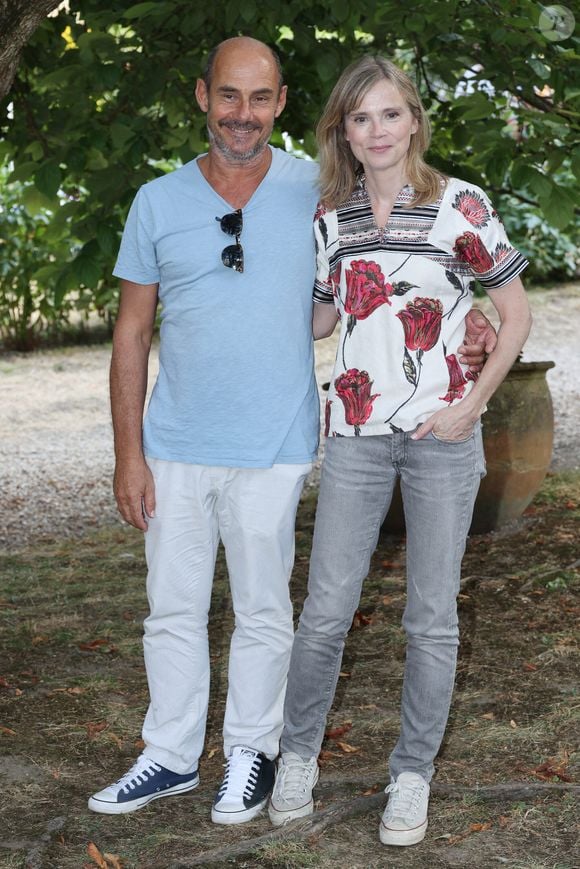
<point x="339" y="168"/>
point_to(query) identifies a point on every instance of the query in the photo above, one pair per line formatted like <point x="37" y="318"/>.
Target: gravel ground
<point x="56" y="459"/>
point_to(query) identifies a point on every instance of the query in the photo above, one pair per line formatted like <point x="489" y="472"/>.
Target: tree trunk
<point x="18" y="21"/>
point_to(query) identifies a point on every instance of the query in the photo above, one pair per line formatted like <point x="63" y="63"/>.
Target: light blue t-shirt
<point x="236" y="382"/>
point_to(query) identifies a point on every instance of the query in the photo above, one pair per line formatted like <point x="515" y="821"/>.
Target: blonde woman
<point x="399" y="249"/>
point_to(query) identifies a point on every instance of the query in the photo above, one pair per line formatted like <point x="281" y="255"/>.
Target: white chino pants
<point x="253" y="511"/>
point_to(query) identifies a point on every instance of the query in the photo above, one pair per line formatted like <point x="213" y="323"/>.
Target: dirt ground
<point x="73" y="693"/>
<point x="73" y="688"/>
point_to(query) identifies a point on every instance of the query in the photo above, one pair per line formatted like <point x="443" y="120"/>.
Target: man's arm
<point x="457" y="421"/>
<point x="133" y="482"/>
<point x="480" y="339"/>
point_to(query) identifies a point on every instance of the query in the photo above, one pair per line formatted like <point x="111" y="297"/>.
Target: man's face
<point x="243" y="101"/>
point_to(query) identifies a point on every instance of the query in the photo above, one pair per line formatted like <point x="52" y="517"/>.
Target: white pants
<point x="253" y="511"/>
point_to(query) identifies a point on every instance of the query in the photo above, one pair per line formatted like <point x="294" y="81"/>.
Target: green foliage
<point x="104" y="101"/>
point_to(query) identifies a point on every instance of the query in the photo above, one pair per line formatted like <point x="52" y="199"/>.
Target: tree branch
<point x="313" y="825"/>
<point x="18" y="21"/>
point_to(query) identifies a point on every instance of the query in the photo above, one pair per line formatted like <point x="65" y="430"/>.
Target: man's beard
<point x="218" y="142"/>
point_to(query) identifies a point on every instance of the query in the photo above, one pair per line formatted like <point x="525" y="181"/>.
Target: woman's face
<point x="379" y="131"/>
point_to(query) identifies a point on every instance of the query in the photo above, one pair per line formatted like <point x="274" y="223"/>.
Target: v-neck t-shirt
<point x="402" y="293"/>
<point x="236" y="382"/>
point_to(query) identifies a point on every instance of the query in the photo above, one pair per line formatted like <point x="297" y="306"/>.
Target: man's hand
<point x="480" y="339"/>
<point x="134" y="490"/>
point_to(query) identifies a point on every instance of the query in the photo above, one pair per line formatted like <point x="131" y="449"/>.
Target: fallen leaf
<point x="4" y="683"/>
<point x="530" y="667"/>
<point x="339" y="731"/>
<point x="92" y="645"/>
<point x="211" y="753"/>
<point x="504" y="821"/>
<point x="553" y="768"/>
<point x="96" y="856"/>
<point x="374" y="790"/>
<point x="114" y="861"/>
<point x="480" y="828"/>
<point x="18" y="692"/>
<point x="388" y="565"/>
<point x="489" y="716"/>
<point x="93" y="728"/>
<point x="360" y="620"/>
<point x="344" y="675"/>
<point x="387" y="600"/>
<point x="348" y="749"/>
<point x="139" y="744"/>
<point x="513" y="724"/>
<point x="7" y="731"/>
<point x="570" y="505"/>
<point x="39" y="639"/>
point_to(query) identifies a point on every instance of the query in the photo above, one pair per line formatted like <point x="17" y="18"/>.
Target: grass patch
<point x="73" y="694"/>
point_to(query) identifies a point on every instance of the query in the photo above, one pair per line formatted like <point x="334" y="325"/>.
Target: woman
<point x="399" y="249"/>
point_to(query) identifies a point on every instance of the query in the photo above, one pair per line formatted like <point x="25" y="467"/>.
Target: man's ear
<point x="281" y="101"/>
<point x="201" y="95"/>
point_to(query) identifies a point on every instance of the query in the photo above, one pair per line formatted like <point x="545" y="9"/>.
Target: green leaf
<point x="48" y="178"/>
<point x="559" y="208"/>
<point x="23" y="171"/>
<point x="87" y="271"/>
<point x="141" y="10"/>
<point x="35" y="202"/>
<point x="539" y="68"/>
<point x="107" y="238"/>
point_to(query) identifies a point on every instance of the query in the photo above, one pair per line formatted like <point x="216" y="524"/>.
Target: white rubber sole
<point x="279" y="818"/>
<point x="238" y="817"/>
<point x="104" y="807"/>
<point x="401" y="838"/>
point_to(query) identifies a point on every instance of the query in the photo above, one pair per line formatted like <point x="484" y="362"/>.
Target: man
<point x="226" y="245"/>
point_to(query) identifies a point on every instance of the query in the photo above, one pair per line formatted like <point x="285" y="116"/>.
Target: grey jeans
<point x="439" y="482"/>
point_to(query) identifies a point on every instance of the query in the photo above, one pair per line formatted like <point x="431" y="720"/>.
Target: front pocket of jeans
<point x="445" y="441"/>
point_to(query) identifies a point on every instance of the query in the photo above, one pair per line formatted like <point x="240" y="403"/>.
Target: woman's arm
<point x="457" y="421"/>
<point x="324" y="319"/>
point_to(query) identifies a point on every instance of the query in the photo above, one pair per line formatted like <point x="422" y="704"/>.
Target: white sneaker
<point x="292" y="795"/>
<point x="404" y="821"/>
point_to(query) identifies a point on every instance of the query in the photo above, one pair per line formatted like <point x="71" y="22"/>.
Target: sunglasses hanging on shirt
<point x="233" y="254"/>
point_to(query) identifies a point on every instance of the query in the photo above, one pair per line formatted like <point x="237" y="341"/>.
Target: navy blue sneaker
<point x="145" y="781"/>
<point x="246" y="788"/>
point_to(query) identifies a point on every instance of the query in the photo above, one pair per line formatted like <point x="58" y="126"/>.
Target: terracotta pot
<point x="518" y="433"/>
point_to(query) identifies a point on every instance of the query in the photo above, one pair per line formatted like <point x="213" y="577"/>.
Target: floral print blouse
<point x="402" y="294"/>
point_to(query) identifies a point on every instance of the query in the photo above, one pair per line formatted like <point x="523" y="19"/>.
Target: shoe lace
<point x="404" y="799"/>
<point x="295" y="777"/>
<point x="240" y="776"/>
<point x="142" y="770"/>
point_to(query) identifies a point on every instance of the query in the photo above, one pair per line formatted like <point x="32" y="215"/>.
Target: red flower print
<point x="472" y="375"/>
<point x="472" y="207"/>
<point x="327" y="417"/>
<point x="366" y="290"/>
<point x="470" y="249"/>
<point x="421" y="321"/>
<point x="501" y="251"/>
<point x="457" y="381"/>
<point x="320" y="211"/>
<point x="353" y="387"/>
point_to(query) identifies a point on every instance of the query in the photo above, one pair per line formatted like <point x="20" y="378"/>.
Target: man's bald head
<point x="237" y="43"/>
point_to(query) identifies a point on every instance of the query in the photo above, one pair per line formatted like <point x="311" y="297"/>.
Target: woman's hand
<point x="449" y="423"/>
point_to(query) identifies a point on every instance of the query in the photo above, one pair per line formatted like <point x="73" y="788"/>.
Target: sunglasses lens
<point x="233" y="257"/>
<point x="232" y="223"/>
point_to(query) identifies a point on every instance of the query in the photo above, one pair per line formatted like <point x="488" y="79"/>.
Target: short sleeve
<point x="323" y="284"/>
<point x="137" y="260"/>
<point x="470" y="227"/>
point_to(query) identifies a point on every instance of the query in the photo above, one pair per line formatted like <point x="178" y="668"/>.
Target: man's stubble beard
<point x="218" y="142"/>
